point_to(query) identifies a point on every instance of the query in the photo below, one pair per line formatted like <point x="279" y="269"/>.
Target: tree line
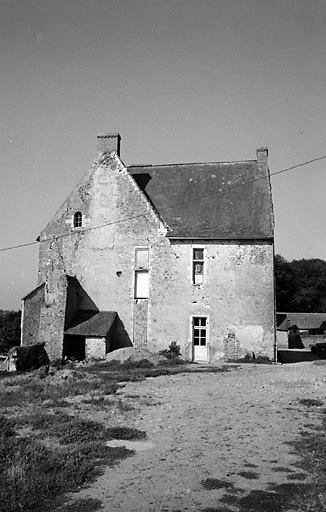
<point x="300" y="285"/>
<point x="9" y="330"/>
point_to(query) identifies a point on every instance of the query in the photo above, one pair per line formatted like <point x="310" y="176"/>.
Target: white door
<point x="199" y="338"/>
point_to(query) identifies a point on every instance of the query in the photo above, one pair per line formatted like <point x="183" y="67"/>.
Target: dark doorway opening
<point x="74" y="347"/>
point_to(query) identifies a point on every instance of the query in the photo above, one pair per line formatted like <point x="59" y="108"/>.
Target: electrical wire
<point x="57" y="237"/>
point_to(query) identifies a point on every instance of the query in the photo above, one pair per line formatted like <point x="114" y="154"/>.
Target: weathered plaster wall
<point x="237" y="296"/>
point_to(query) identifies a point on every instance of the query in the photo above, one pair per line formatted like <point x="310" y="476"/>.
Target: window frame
<point x="192" y="328"/>
<point x="138" y="271"/>
<point x="77" y="220"/>
<point x="197" y="281"/>
<point x="201" y="329"/>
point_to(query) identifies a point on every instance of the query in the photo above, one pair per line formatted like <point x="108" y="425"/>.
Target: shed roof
<point x="97" y="324"/>
<point x="302" y="320"/>
<point x="229" y="200"/>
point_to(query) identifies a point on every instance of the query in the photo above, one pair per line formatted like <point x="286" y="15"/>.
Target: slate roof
<point x="302" y="320"/>
<point x="92" y="323"/>
<point x="211" y="200"/>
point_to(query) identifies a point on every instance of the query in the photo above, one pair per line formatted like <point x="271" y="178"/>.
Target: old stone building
<point x="147" y="255"/>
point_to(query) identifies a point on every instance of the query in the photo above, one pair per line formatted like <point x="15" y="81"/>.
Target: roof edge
<point x="140" y="166"/>
<point x="42" y="285"/>
<point x="233" y="238"/>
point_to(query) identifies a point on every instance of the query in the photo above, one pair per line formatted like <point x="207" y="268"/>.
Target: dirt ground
<point x="212" y="438"/>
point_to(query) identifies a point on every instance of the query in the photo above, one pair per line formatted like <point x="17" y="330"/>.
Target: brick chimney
<point x="108" y="142"/>
<point x="262" y="156"/>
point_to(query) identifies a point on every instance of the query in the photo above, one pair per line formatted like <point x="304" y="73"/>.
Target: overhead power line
<point x="57" y="237"/>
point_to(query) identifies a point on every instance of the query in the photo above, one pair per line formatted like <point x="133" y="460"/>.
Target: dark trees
<point x="300" y="285"/>
<point x="9" y="330"/>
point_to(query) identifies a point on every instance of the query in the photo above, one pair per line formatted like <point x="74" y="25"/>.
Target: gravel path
<point x="225" y="430"/>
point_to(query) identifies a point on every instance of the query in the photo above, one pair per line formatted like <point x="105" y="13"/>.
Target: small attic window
<point x="78" y="220"/>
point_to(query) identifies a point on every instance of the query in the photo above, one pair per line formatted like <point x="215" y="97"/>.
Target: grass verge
<point x="33" y="474"/>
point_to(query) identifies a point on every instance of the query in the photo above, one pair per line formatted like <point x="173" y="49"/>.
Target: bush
<point x="173" y="352"/>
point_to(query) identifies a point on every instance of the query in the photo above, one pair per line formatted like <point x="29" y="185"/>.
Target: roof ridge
<point x="191" y="163"/>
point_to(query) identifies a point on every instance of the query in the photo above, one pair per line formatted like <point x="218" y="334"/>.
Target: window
<point x="198" y="266"/>
<point x="78" y="220"/>
<point x="141" y="273"/>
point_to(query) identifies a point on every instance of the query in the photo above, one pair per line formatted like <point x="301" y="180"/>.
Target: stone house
<point x="147" y="255"/>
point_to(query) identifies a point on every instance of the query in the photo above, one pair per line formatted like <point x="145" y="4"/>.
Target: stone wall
<point x="31" y="311"/>
<point x="95" y="347"/>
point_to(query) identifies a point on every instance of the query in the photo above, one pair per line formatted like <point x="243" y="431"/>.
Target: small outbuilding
<point x="90" y="336"/>
<point x="311" y="326"/>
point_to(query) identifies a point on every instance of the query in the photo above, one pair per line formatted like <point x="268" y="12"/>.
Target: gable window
<point x="141" y="273"/>
<point x="78" y="220"/>
<point x="198" y="266"/>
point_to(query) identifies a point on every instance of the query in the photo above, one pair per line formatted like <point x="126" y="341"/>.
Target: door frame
<point x="192" y="316"/>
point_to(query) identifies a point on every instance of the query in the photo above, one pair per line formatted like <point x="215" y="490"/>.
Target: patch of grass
<point x="96" y="400"/>
<point x="33" y="475"/>
<point x="282" y="470"/>
<point x="56" y="403"/>
<point x="143" y="363"/>
<point x="124" y="406"/>
<point x="310" y="402"/>
<point x="261" y="501"/>
<point x="7" y="427"/>
<point x="213" y="483"/>
<point x="125" y="433"/>
<point x="296" y="476"/>
<point x="250" y="465"/>
<point x="73" y="430"/>
<point x="220" y="509"/>
<point x="11" y="399"/>
<point x="249" y="475"/>
<point x="36" y="391"/>
<point x="67" y="429"/>
<point x="82" y="505"/>
<point x="229" y="499"/>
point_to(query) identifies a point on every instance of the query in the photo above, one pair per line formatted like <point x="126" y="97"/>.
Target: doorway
<point x="199" y="338"/>
<point x="74" y="347"/>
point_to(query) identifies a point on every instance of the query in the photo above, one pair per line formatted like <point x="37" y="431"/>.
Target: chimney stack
<point x="262" y="155"/>
<point x="108" y="142"/>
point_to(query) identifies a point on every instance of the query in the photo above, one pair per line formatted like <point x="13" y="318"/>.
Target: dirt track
<point x="231" y="427"/>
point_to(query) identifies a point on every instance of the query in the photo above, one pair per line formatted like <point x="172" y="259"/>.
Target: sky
<point x="181" y="81"/>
